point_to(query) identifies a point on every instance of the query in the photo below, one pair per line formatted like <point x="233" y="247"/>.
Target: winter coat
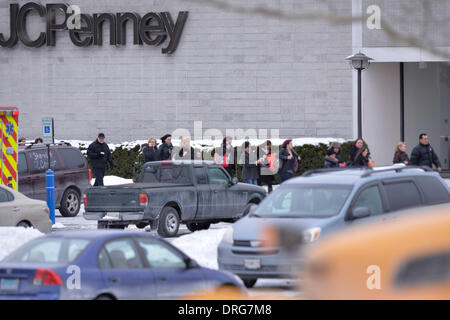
<point x="250" y="169"/>
<point x="330" y="163"/>
<point x="288" y="165"/>
<point x="165" y="151"/>
<point x="353" y="151"/>
<point x="424" y="155"/>
<point x="226" y="158"/>
<point x="151" y="153"/>
<point x="98" y="160"/>
<point x="400" y="157"/>
<point x="361" y="161"/>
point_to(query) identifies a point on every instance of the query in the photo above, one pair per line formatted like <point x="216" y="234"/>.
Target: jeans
<point x="99" y="173"/>
<point x="251" y="181"/>
<point x="285" y="176"/>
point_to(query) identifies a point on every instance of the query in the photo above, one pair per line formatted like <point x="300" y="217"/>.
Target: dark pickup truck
<point x="168" y="193"/>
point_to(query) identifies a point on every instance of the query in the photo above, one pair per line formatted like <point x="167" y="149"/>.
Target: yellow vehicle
<point x="406" y="258"/>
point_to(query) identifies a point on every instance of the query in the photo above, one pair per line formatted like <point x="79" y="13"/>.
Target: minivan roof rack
<point x="396" y="169"/>
<point x="325" y="170"/>
<point x="29" y="145"/>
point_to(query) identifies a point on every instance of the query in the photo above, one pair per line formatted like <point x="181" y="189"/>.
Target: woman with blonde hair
<point x="186" y="151"/>
<point x="400" y="155"/>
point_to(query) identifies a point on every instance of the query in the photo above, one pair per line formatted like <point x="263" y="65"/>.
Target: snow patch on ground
<point x="113" y="181"/>
<point x="14" y="237"/>
<point x="201" y="246"/>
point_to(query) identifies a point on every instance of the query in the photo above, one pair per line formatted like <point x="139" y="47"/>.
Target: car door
<point x="39" y="165"/>
<point x="371" y="197"/>
<point x="204" y="194"/>
<point x="25" y="182"/>
<point x="123" y="271"/>
<point x="174" y="277"/>
<point x="402" y="194"/>
<point x="221" y="205"/>
<point x="10" y="213"/>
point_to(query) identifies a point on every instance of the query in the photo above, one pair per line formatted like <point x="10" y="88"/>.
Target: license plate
<point x="252" y="264"/>
<point x="9" y="284"/>
<point x="114" y="215"/>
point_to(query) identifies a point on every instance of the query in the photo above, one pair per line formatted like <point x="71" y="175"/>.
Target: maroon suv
<point x="72" y="175"/>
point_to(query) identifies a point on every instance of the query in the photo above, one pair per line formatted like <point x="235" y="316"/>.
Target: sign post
<point x="49" y="138"/>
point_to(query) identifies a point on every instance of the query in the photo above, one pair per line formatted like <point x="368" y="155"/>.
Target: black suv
<point x="72" y="175"/>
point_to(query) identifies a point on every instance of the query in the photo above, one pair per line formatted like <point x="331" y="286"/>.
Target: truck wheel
<point x="70" y="203"/>
<point x="169" y="222"/>
<point x="198" y="226"/>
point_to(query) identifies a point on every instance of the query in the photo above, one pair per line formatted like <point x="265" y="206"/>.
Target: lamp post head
<point x="359" y="61"/>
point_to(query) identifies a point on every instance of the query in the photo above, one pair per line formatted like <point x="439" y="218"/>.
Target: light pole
<point x="359" y="62"/>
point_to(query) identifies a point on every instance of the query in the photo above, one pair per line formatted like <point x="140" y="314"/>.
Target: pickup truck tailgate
<point x="113" y="199"/>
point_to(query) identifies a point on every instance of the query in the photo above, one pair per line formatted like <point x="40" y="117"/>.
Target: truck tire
<point x="70" y="203"/>
<point x="249" y="283"/>
<point x="197" y="226"/>
<point x="169" y="222"/>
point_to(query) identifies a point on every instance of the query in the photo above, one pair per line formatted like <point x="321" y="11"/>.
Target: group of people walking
<point x="260" y="163"/>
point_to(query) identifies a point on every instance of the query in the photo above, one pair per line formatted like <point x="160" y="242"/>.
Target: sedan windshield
<point x="305" y="201"/>
<point x="49" y="250"/>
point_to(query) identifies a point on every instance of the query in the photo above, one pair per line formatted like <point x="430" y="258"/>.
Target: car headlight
<point x="228" y="235"/>
<point x="311" y="235"/>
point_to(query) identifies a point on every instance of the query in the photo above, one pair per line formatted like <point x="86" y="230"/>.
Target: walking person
<point x="359" y="143"/>
<point x="151" y="152"/>
<point x="226" y="156"/>
<point x="267" y="165"/>
<point x="186" y="152"/>
<point x="250" y="169"/>
<point x="99" y="155"/>
<point x="165" y="149"/>
<point x="400" y="155"/>
<point x="423" y="154"/>
<point x="289" y="160"/>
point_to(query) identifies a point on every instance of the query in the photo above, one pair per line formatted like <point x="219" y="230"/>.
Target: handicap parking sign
<point x="46" y="129"/>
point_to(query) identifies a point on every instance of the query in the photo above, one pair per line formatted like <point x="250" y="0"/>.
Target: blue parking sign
<point x="46" y="129"/>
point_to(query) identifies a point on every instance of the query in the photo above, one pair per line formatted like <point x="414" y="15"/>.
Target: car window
<point x="160" y="255"/>
<point x="370" y="198"/>
<point x="49" y="250"/>
<point x="39" y="161"/>
<point x="433" y="190"/>
<point x="402" y="195"/>
<point x="123" y="254"/>
<point x="23" y="166"/>
<point x="103" y="260"/>
<point x="72" y="158"/>
<point x="5" y="195"/>
<point x="424" y="270"/>
<point x="217" y="176"/>
<point x="166" y="174"/>
<point x="200" y="175"/>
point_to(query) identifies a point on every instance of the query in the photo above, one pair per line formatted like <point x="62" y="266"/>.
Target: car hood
<point x="251" y="228"/>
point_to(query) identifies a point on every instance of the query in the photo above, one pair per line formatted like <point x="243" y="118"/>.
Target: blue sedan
<point x="104" y="265"/>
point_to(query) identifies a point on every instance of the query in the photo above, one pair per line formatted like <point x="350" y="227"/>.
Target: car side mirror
<point x="234" y="181"/>
<point x="360" y="212"/>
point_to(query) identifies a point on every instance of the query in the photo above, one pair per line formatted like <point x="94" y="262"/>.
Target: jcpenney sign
<point x="86" y="30"/>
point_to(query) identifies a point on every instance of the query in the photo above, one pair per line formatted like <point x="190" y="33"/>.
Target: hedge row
<point x="128" y="162"/>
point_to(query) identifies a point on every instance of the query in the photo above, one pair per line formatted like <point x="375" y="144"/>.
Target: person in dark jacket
<point x="151" y="152"/>
<point x="359" y="143"/>
<point x="250" y="172"/>
<point x="333" y="158"/>
<point x="423" y="154"/>
<point x="99" y="155"/>
<point x="267" y="165"/>
<point x="165" y="149"/>
<point x="186" y="152"/>
<point x="362" y="158"/>
<point x="400" y="155"/>
<point x="289" y="160"/>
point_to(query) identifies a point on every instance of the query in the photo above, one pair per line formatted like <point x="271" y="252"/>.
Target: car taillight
<point x="85" y="200"/>
<point x="47" y="210"/>
<point x="90" y="174"/>
<point x="46" y="277"/>
<point x="143" y="199"/>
